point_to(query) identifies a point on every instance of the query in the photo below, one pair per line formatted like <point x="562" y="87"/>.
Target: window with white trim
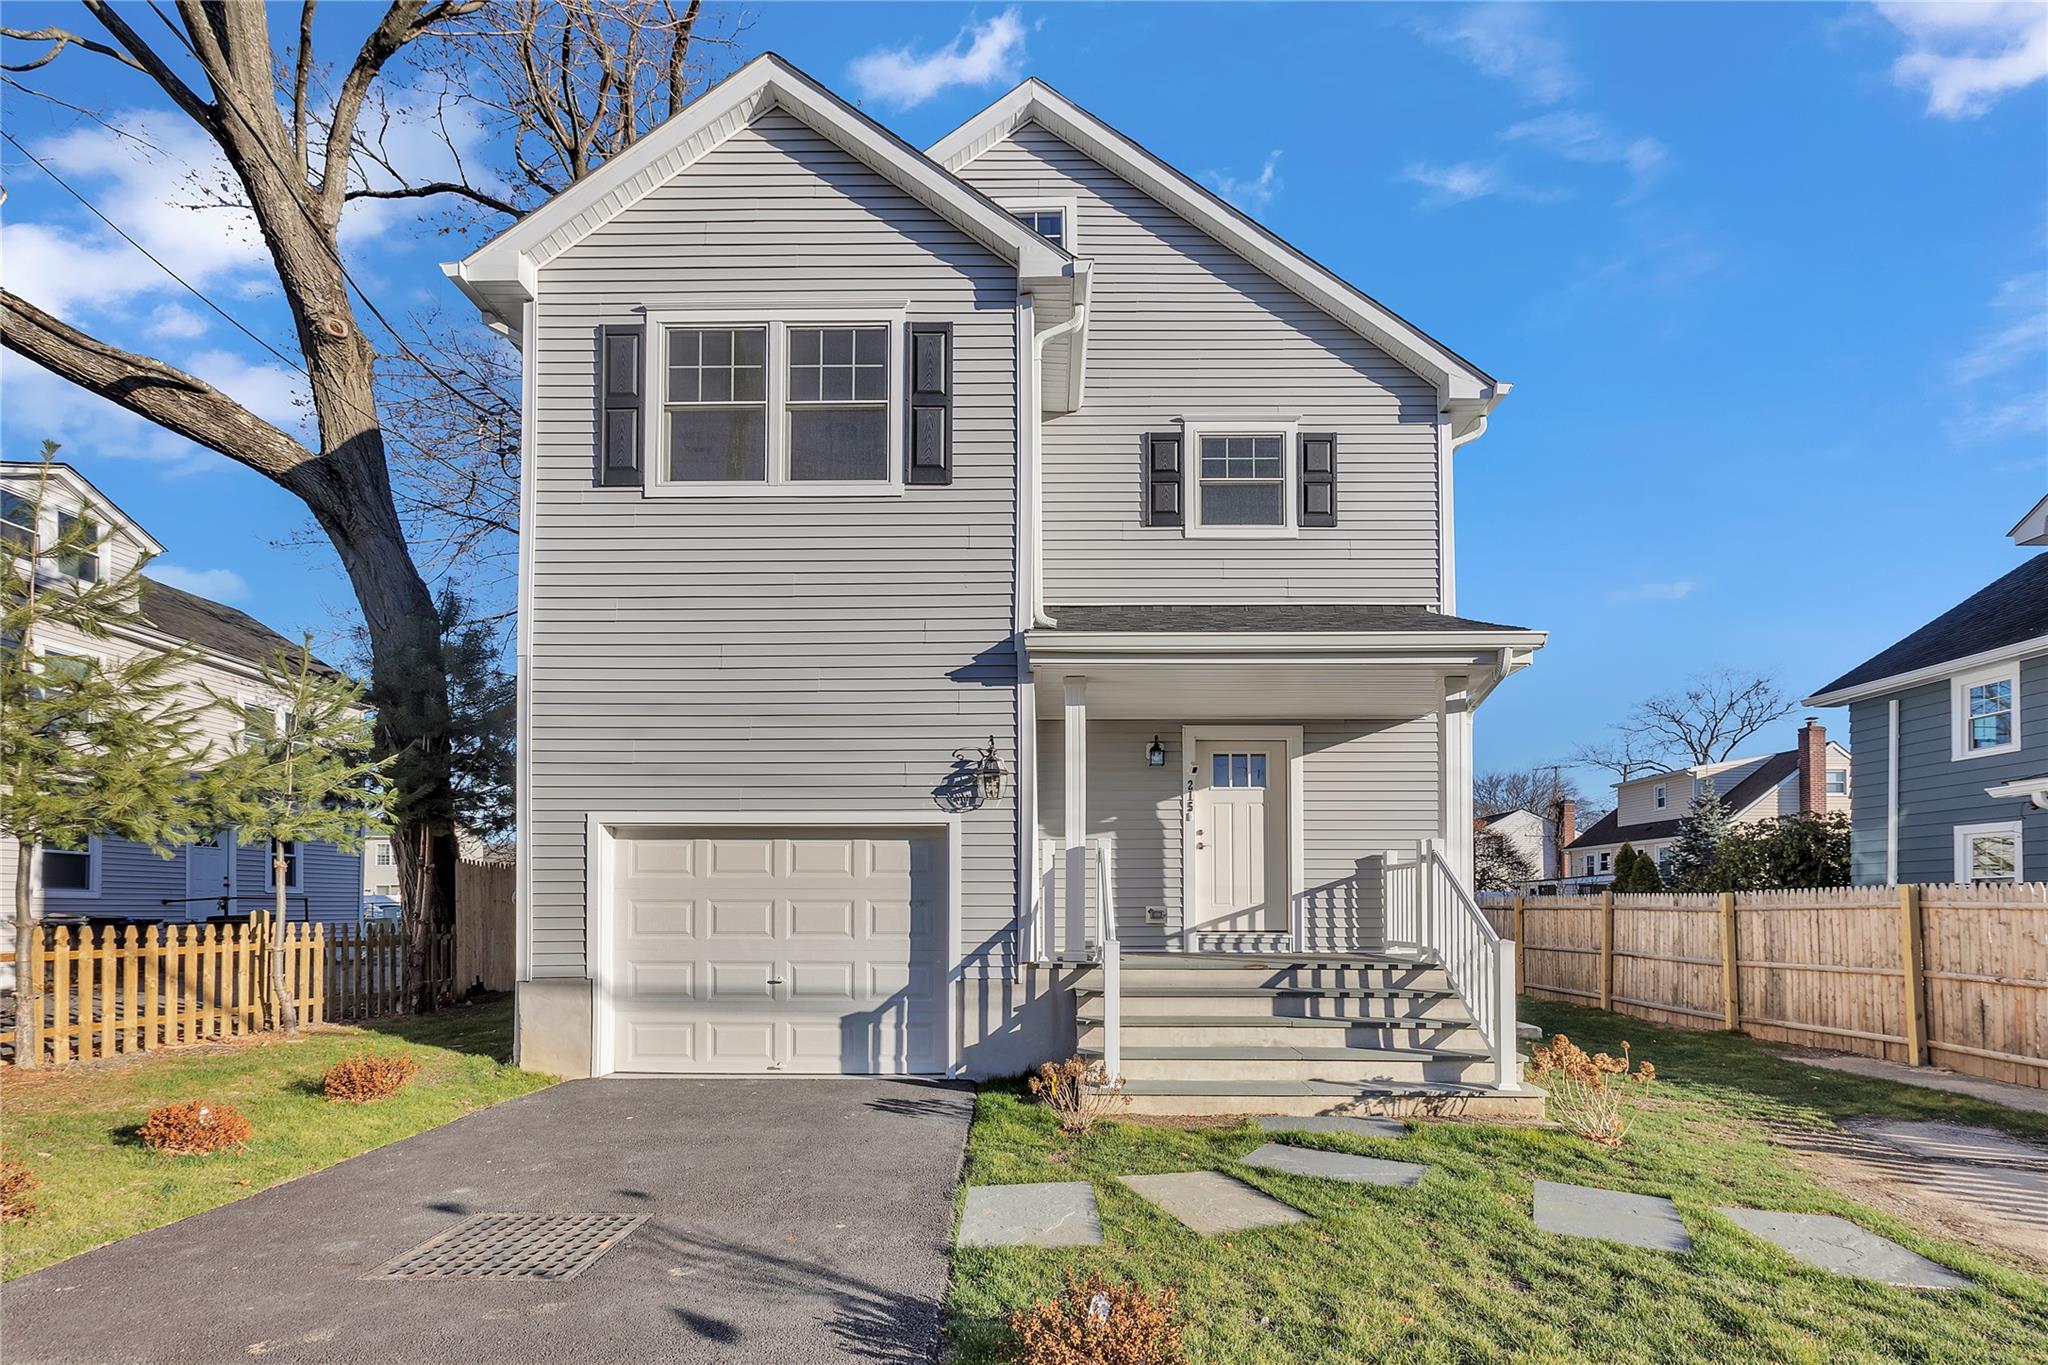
<point x="71" y="871"/>
<point x="804" y="404"/>
<point x="1589" y="864"/>
<point x="1838" y="782"/>
<point x="82" y="564"/>
<point x="17" y="520"/>
<point x="1658" y="795"/>
<point x="291" y="866"/>
<point x="1986" y="712"/>
<point x="1050" y="224"/>
<point x="1241" y="480"/>
<point x="1988" y="853"/>
<point x="1606" y="862"/>
<point x="383" y="855"/>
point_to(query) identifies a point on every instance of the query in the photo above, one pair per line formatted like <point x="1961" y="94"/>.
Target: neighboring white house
<point x="1533" y="836"/>
<point x="380" y="869"/>
<point x="115" y="879"/>
<point x="960" y="588"/>
<point x="1813" y="776"/>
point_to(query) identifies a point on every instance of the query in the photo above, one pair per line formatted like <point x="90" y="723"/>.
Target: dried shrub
<point x="1096" y="1322"/>
<point x="195" y="1128"/>
<point x="366" y="1077"/>
<point x="1080" y="1093"/>
<point x="1589" y="1094"/>
<point x="16" y="1180"/>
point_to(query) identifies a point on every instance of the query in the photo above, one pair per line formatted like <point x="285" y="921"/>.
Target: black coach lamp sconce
<point x="1155" y="757"/>
<point x="987" y="766"/>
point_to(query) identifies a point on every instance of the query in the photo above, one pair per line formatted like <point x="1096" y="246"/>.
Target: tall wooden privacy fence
<point x="1953" y="974"/>
<point x="486" y="924"/>
<point x="123" y="989"/>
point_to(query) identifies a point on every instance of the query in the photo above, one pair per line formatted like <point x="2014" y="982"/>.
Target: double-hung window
<point x="1986" y="712"/>
<point x="1660" y="796"/>
<point x="804" y="404"/>
<point x="80" y="537"/>
<point x="1240" y="477"/>
<point x="1838" y="782"/>
<point x="17" y="521"/>
<point x="290" y="849"/>
<point x="1988" y="853"/>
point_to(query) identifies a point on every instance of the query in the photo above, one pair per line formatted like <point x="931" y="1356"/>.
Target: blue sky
<point x="1771" y="283"/>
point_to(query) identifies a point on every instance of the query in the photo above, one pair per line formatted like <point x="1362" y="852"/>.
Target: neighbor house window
<point x="838" y="404"/>
<point x="1838" y="782"/>
<point x="1050" y="224"/>
<point x="1988" y="853"/>
<point x="291" y="867"/>
<point x="1606" y="862"/>
<point x="716" y="404"/>
<point x="1987" y="716"/>
<point x="72" y="871"/>
<point x="1589" y="864"/>
<point x="1242" y="480"/>
<point x="81" y="564"/>
<point x="17" y="521"/>
<point x="1664" y="860"/>
<point x="383" y="855"/>
<point x="1657" y="796"/>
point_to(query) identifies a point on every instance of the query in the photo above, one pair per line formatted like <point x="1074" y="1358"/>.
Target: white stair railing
<point x="1111" y="952"/>
<point x="1430" y="908"/>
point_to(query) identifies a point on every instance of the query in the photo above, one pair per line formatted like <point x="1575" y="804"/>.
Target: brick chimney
<point x="1567" y="830"/>
<point x="1813" y="767"/>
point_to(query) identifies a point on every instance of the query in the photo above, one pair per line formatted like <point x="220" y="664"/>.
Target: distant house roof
<point x="2011" y="611"/>
<point x="1248" y="618"/>
<point x="1744" y="794"/>
<point x="211" y="625"/>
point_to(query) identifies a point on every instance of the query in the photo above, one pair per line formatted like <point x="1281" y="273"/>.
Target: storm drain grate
<point x="512" y="1246"/>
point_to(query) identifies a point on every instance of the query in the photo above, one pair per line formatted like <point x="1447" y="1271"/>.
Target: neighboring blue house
<point x="1958" y="710"/>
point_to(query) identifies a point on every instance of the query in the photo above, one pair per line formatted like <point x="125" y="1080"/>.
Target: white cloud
<point x="1583" y="138"/>
<point x="980" y="55"/>
<point x="222" y="585"/>
<point x="176" y="322"/>
<point x="1655" y="592"/>
<point x="1457" y="183"/>
<point x="2001" y="374"/>
<point x="1967" y="56"/>
<point x="1254" y="193"/>
<point x="274" y="393"/>
<point x="1508" y="41"/>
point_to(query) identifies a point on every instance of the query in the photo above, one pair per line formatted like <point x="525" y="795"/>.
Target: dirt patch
<point x="1971" y="1184"/>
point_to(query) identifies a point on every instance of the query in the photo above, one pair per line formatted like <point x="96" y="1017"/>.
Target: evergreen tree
<point x="303" y="775"/>
<point x="482" y="722"/>
<point x="90" y="744"/>
<point x="1697" y="854"/>
<point x="1648" y="877"/>
<point x="1624" y="869"/>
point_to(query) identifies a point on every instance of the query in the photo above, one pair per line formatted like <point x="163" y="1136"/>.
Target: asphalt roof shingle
<point x="2013" y="609"/>
<point x="211" y="625"/>
<point x="1609" y="829"/>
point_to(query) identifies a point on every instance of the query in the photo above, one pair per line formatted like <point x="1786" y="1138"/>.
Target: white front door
<point x="1241" y="837"/>
<point x="209" y="876"/>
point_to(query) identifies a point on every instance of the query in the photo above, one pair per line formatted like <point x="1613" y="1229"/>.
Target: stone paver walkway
<point x="1211" y="1202"/>
<point x="1333" y="1123"/>
<point x="1838" y="1245"/>
<point x="1061" y="1214"/>
<point x="1358" y="1170"/>
<point x="1641" y="1220"/>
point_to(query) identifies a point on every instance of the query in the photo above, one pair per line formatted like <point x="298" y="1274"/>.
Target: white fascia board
<point x="2034" y="789"/>
<point x="22" y="474"/>
<point x="504" y="271"/>
<point x="1941" y="672"/>
<point x="1438" y="645"/>
<point x="1466" y="391"/>
<point x="2032" y="529"/>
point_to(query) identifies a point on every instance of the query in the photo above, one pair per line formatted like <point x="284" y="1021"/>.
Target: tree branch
<point x="483" y="197"/>
<point x="145" y="59"/>
<point x="150" y="389"/>
<point x="59" y="39"/>
<point x="401" y="23"/>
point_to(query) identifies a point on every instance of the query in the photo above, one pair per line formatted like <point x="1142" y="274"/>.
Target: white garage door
<point x="802" y="950"/>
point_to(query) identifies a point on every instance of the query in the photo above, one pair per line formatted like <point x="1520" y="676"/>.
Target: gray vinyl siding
<point x="1937" y="792"/>
<point x="1367" y="786"/>
<point x="756" y="655"/>
<point x="330" y="883"/>
<point x="1179" y="324"/>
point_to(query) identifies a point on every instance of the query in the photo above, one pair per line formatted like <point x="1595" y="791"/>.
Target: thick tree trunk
<point x="28" y="964"/>
<point x="284" y="1008"/>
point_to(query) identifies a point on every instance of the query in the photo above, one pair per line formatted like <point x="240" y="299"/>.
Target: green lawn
<point x="75" y="1126"/>
<point x="1455" y="1269"/>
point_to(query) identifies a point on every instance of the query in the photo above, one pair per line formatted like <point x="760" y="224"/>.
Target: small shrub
<point x="1080" y="1093"/>
<point x="16" y="1180"/>
<point x="366" y="1077"/>
<point x="1099" y="1323"/>
<point x="1589" y="1094"/>
<point x="195" y="1128"/>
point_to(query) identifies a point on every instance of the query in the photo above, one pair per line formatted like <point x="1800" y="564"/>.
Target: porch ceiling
<point x="1248" y="690"/>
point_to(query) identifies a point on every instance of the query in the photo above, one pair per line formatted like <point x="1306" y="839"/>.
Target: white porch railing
<point x="1112" y="957"/>
<point x="1429" y="908"/>
<point x="1048" y="934"/>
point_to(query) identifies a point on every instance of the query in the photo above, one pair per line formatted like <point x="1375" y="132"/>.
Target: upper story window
<point x="1658" y="796"/>
<point x="1606" y="861"/>
<point x="1240" y="478"/>
<point x="383" y="855"/>
<point x="799" y="405"/>
<point x="1986" y="715"/>
<point x="81" y="564"/>
<point x="17" y="521"/>
<point x="1838" y="782"/>
<point x="1050" y="224"/>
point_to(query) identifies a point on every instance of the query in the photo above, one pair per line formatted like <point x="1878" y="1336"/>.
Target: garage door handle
<point x="775" y="981"/>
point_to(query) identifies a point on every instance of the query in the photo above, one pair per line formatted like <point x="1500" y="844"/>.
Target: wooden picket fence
<point x="123" y="989"/>
<point x="1952" y="974"/>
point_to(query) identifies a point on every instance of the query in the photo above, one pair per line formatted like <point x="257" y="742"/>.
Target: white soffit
<point x="505" y="270"/>
<point x="1471" y="392"/>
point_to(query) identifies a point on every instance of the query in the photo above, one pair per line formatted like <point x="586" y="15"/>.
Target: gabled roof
<point x="1471" y="391"/>
<point x="501" y="274"/>
<point x="2003" y="620"/>
<point x="212" y="626"/>
<point x="2032" y="529"/>
<point x="21" y="473"/>
<point x="1608" y="829"/>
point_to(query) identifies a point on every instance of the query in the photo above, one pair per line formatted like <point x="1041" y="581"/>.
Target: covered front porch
<point x="1289" y="786"/>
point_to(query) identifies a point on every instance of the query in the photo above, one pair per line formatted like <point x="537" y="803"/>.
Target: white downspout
<point x="1035" y="467"/>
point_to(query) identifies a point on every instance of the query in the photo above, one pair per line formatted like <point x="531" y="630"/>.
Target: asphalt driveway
<point x="787" y="1221"/>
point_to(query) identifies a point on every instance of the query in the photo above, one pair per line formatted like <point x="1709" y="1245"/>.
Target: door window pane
<point x="1237" y="770"/>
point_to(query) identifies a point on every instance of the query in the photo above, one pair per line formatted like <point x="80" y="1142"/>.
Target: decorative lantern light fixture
<point x="1155" y="757"/>
<point x="988" y="772"/>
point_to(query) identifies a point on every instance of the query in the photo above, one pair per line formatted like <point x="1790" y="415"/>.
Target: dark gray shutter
<point x="621" y="372"/>
<point x="1319" y="479"/>
<point x="928" y="457"/>
<point x="1163" y="478"/>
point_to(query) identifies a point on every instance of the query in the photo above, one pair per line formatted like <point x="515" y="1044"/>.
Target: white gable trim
<point x="504" y="272"/>
<point x="1468" y="392"/>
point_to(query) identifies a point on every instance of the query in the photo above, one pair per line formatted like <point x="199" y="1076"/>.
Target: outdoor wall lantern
<point x="988" y="769"/>
<point x="1155" y="757"/>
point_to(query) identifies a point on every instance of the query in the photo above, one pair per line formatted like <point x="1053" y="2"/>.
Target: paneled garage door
<point x="800" y="950"/>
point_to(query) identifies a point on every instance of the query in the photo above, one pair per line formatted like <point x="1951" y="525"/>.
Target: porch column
<point x="1455" y="741"/>
<point x="1075" y="838"/>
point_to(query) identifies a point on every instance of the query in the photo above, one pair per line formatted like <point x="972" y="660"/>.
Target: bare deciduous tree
<point x="1709" y="718"/>
<point x="1624" y="754"/>
<point x="1539" y="790"/>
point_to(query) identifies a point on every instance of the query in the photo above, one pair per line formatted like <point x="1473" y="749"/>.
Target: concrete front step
<point x="1267" y="977"/>
<point x="1356" y="1066"/>
<point x="1323" y="1007"/>
<point x="1299" y="1099"/>
<point x="1200" y="1032"/>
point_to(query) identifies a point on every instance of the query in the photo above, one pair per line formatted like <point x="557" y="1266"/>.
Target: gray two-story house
<point x="1949" y="729"/>
<point x="981" y="603"/>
